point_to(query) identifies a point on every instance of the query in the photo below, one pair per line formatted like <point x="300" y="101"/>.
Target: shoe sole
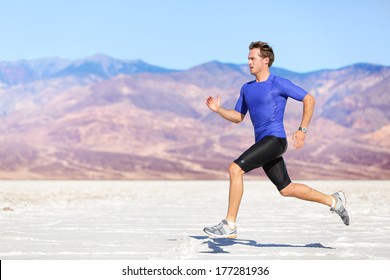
<point x="232" y="236"/>
<point x="346" y="209"/>
<point x="344" y="202"/>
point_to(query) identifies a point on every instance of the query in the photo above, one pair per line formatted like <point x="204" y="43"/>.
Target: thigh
<point x="276" y="171"/>
<point x="261" y="152"/>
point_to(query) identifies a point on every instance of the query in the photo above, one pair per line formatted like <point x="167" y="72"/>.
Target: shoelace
<point x="220" y="225"/>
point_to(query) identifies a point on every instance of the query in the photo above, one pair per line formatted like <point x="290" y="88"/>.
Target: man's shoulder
<point x="281" y="82"/>
<point x="244" y="86"/>
<point x="249" y="83"/>
<point x="279" y="79"/>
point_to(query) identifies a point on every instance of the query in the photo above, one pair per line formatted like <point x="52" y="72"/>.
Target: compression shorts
<point x="267" y="153"/>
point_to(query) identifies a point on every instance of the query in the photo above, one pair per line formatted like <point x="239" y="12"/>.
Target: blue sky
<point x="306" y="35"/>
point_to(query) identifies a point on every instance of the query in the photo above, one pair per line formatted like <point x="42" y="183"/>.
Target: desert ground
<point x="163" y="220"/>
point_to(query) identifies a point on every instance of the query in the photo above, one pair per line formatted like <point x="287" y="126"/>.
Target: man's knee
<point x="288" y="190"/>
<point x="235" y="170"/>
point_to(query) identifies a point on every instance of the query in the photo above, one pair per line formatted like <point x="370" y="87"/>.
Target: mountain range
<point x="106" y="118"/>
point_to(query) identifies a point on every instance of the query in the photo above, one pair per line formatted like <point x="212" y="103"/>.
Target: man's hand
<point x="299" y="139"/>
<point x="230" y="115"/>
<point x="214" y="104"/>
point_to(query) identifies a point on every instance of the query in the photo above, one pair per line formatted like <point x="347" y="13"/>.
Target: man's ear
<point x="266" y="60"/>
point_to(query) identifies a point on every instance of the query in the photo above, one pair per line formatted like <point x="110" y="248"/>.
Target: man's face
<point x="255" y="62"/>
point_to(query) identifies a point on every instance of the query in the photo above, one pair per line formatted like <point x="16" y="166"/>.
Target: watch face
<point x="304" y="129"/>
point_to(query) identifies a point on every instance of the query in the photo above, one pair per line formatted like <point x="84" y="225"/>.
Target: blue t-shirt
<point x="266" y="102"/>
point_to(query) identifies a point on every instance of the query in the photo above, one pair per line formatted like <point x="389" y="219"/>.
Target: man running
<point x="265" y="98"/>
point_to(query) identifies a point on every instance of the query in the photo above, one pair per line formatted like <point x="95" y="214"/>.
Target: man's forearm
<point x="230" y="115"/>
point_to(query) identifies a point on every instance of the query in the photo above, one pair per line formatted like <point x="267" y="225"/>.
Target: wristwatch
<point x="303" y="129"/>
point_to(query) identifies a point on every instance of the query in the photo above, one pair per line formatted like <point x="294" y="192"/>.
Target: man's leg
<point x="336" y="201"/>
<point x="227" y="228"/>
<point x="305" y="192"/>
<point x="236" y="191"/>
<point x="277" y="172"/>
<point x="258" y="154"/>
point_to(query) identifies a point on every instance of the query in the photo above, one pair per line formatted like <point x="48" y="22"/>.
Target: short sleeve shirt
<point x="266" y="102"/>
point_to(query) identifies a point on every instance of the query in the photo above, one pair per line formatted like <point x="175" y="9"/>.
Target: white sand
<point x="164" y="220"/>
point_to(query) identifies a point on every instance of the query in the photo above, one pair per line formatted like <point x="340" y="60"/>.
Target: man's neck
<point x="263" y="76"/>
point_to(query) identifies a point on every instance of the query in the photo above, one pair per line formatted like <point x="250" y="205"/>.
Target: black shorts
<point x="267" y="153"/>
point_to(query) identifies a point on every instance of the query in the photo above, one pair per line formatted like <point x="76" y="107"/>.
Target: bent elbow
<point x="313" y="100"/>
<point x="310" y="100"/>
<point x="240" y="117"/>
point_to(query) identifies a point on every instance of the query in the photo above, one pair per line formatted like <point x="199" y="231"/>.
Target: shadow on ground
<point x="217" y="245"/>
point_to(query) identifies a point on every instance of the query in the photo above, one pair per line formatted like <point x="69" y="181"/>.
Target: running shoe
<point x="221" y="230"/>
<point x="341" y="207"/>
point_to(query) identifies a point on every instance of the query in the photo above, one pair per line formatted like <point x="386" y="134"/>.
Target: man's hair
<point x="265" y="51"/>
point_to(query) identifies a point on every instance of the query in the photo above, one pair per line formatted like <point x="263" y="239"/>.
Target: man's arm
<point x="230" y="115"/>
<point x="308" y="109"/>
